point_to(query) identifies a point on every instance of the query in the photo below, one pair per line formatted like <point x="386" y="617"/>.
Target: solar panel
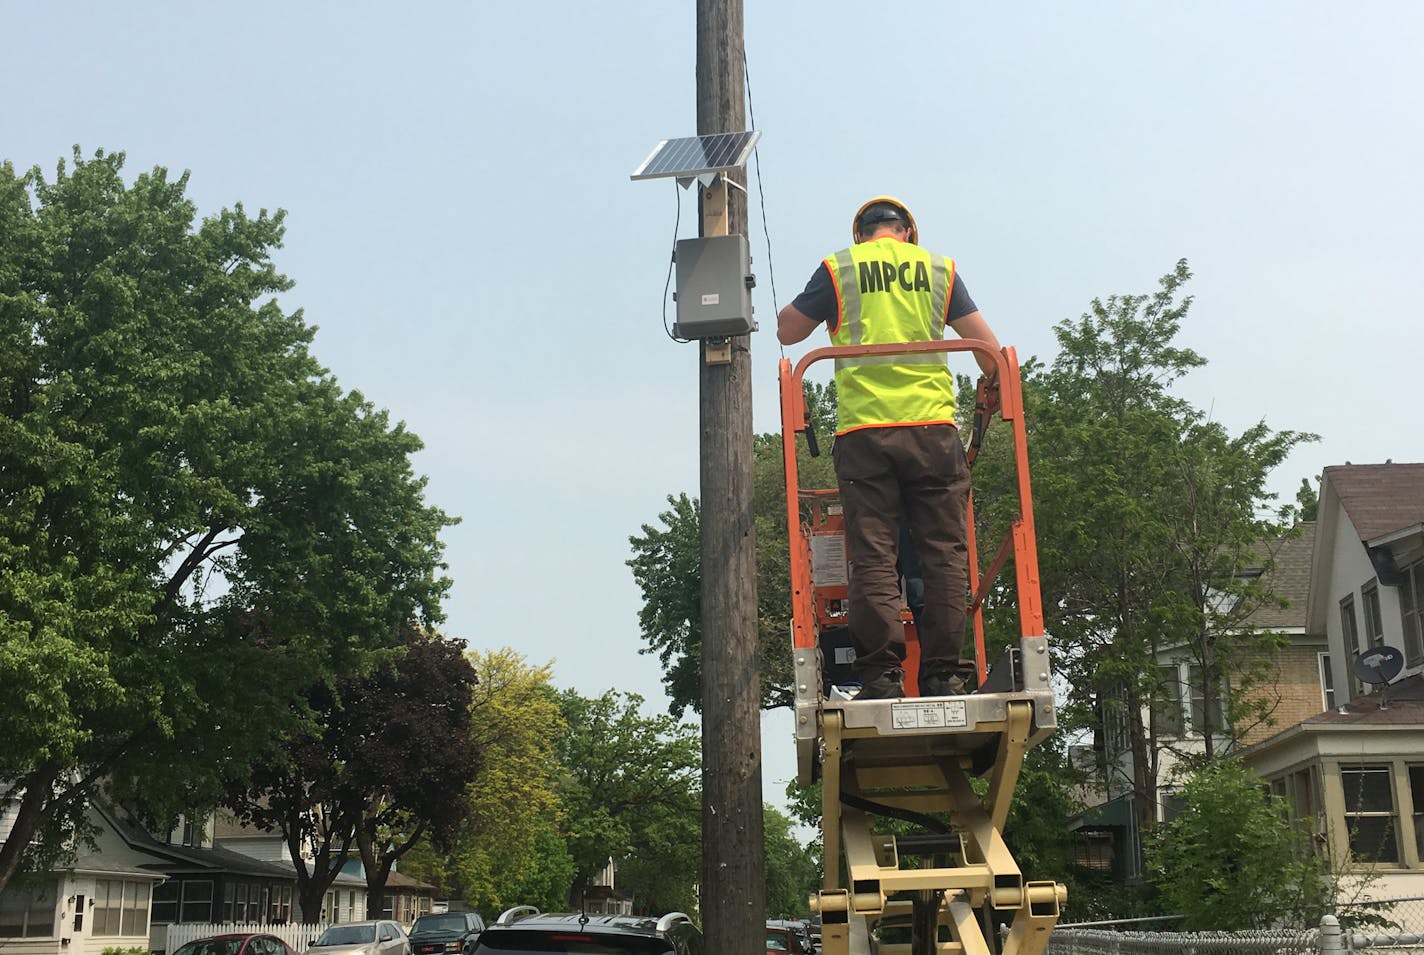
<point x="695" y="155"/>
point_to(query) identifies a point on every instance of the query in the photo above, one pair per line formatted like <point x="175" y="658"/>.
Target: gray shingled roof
<point x="171" y="858"/>
<point x="1379" y="498"/>
<point x="1289" y="578"/>
<point x="1403" y="706"/>
<point x="94" y="864"/>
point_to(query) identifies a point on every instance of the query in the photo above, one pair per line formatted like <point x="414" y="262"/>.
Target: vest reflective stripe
<point x="849" y="299"/>
<point x="891" y="291"/>
<point x="940" y="272"/>
<point x="924" y="358"/>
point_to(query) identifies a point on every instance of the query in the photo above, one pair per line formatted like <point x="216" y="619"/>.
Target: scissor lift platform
<point x="924" y="887"/>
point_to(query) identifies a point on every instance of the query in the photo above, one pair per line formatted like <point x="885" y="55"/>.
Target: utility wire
<point x="761" y="195"/>
<point x="672" y="257"/>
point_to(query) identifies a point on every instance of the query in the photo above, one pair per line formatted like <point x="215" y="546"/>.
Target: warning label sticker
<point x="929" y="715"/>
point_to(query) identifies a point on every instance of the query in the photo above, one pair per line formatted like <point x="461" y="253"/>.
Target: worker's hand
<point x="989" y="400"/>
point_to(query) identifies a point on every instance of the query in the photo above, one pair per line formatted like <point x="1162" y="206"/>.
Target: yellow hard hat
<point x="883" y="215"/>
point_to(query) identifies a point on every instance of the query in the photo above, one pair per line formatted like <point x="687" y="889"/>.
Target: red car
<point x="243" y="944"/>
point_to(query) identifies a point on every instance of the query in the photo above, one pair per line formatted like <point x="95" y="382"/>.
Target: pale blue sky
<point x="463" y="231"/>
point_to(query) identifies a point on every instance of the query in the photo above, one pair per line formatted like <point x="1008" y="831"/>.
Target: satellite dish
<point x="1379" y="665"/>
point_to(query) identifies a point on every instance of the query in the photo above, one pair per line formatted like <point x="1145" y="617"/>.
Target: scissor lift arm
<point x="913" y="758"/>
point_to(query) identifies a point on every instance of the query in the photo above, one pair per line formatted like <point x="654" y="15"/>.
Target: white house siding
<point x="113" y="849"/>
<point x="36" y="946"/>
<point x="1350" y="569"/>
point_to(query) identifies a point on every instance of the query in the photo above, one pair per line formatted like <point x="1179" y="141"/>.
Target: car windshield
<point x="539" y="942"/>
<point x="438" y="923"/>
<point x="348" y="935"/>
<point x="212" y="946"/>
<point x="776" y="942"/>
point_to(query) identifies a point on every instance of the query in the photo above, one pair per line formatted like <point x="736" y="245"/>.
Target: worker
<point x="898" y="454"/>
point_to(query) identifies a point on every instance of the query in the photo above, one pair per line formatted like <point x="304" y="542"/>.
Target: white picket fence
<point x="295" y="934"/>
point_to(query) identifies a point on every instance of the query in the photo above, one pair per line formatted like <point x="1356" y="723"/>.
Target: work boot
<point x="885" y="685"/>
<point x="944" y="683"/>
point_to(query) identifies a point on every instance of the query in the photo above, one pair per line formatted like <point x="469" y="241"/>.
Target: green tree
<point x="408" y="754"/>
<point x="661" y="876"/>
<point x="185" y="495"/>
<point x="1232" y="858"/>
<point x="386" y="769"/>
<point x="1307" y="499"/>
<point x="509" y="849"/>
<point x="666" y="565"/>
<point x="630" y="782"/>
<point x="793" y="872"/>
<point x="1149" y="516"/>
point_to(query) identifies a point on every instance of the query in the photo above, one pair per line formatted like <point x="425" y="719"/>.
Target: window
<point x="1172" y="805"/>
<point x="242" y="902"/>
<point x="120" y="908"/>
<point x="27" y="912"/>
<point x="1411" y="608"/>
<point x="197" y="901"/>
<point x="1167" y="702"/>
<point x="165" y="901"/>
<point x="1374" y="625"/>
<point x="1370" y="814"/>
<point x="1327" y="681"/>
<point x="280" y="909"/>
<point x="1196" y="688"/>
<point x="1416" y="790"/>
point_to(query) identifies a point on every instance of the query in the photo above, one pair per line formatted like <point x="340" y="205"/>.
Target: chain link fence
<point x="1388" y="925"/>
<point x="1093" y="941"/>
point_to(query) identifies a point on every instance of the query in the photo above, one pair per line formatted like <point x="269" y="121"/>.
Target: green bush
<point x="1233" y="859"/>
<point x="115" y="950"/>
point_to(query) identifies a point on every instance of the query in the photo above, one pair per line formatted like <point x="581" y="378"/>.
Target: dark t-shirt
<point x="818" y="300"/>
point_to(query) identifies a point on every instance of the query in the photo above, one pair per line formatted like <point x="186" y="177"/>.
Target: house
<point x="407" y="899"/>
<point x="203" y="882"/>
<point x="136" y="884"/>
<point x="1356" y="771"/>
<point x="100" y="903"/>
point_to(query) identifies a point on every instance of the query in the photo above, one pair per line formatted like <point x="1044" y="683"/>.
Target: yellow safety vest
<point x="891" y="291"/>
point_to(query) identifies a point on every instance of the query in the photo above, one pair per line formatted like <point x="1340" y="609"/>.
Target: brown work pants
<point x="917" y="474"/>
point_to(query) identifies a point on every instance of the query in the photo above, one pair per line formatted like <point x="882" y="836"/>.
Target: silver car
<point x="362" y="938"/>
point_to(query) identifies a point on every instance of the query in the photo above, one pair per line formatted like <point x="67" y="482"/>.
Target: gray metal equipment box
<point x="714" y="295"/>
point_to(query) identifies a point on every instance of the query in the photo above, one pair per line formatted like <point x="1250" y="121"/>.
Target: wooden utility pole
<point x="733" y="896"/>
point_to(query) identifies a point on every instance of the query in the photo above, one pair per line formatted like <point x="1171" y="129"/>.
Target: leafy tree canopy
<point x="196" y="521"/>
<point x="509" y="847"/>
<point x="666" y="565"/>
<point x="1151" y="519"/>
<point x="793" y="870"/>
<point x="387" y="768"/>
<point x="631" y="787"/>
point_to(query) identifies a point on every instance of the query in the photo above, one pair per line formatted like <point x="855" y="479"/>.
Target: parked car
<point x="436" y="934"/>
<point x="802" y="931"/>
<point x="362" y="938"/>
<point x="524" y="930"/>
<point x="785" y="941"/>
<point x="247" y="943"/>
